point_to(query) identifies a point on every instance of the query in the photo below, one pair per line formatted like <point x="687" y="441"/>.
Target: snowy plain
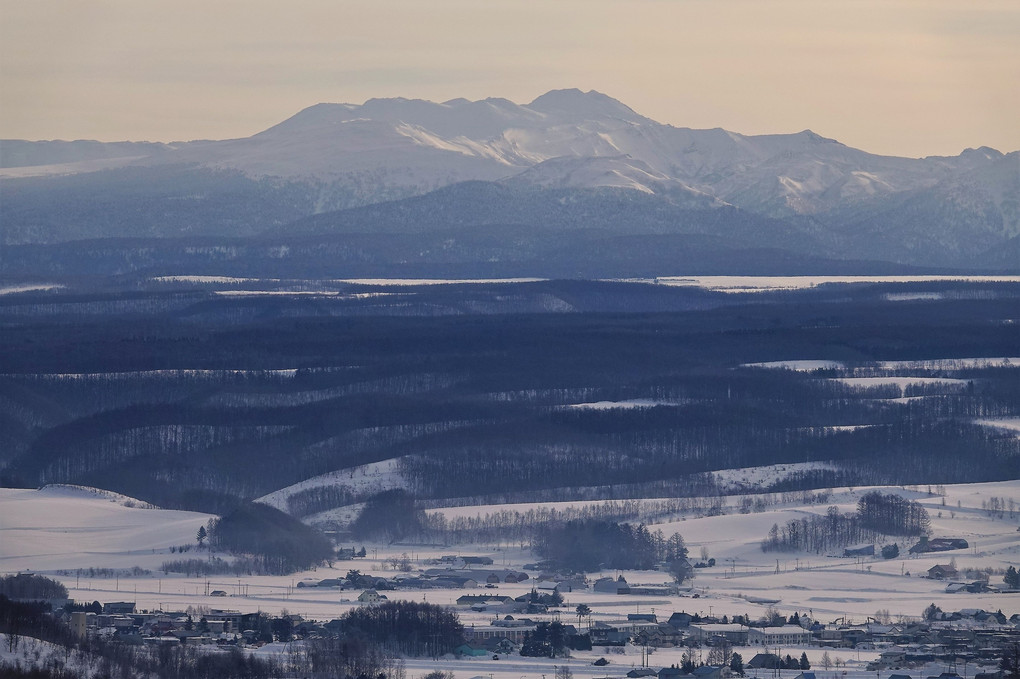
<point x="60" y="528"/>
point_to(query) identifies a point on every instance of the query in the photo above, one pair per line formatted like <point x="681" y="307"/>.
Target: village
<point x="542" y="623"/>
<point x="972" y="642"/>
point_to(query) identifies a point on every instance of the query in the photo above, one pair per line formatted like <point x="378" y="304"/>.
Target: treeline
<point x="891" y="514"/>
<point x="337" y="657"/>
<point x="389" y="515"/>
<point x="523" y="456"/>
<point x="214" y="565"/>
<point x="394" y="515"/>
<point x="31" y="586"/>
<point x="591" y="545"/>
<point x="410" y="628"/>
<point x="878" y="515"/>
<point x="317" y="499"/>
<point x="275" y="543"/>
<point x="521" y="526"/>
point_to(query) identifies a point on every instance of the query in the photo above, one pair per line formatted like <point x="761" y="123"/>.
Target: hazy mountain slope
<point x="975" y="211"/>
<point x="19" y="153"/>
<point x="157" y="201"/>
<point x="929" y="211"/>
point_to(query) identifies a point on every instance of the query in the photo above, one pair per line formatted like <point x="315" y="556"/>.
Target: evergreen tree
<point x="737" y="665"/>
<point x="804" y="664"/>
<point x="1012" y="578"/>
<point x="582" y="611"/>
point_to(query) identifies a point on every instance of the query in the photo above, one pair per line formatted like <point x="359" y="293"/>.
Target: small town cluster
<point x="541" y="623"/>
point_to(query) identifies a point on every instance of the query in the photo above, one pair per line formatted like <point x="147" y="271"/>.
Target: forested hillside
<point x="204" y="394"/>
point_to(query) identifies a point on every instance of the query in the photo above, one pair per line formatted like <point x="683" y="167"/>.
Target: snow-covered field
<point x="66" y="528"/>
<point x="70" y="527"/>
<point x="435" y="281"/>
<point x="28" y="287"/>
<point x="1009" y="423"/>
<point x="809" y="365"/>
<point x="901" y="382"/>
<point x="767" y="475"/>
<point x="624" y="405"/>
<point x="769" y="283"/>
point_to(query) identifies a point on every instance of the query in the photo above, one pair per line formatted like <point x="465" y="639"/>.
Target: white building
<point x="787" y="635"/>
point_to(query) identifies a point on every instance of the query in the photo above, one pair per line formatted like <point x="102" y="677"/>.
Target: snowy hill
<point x="61" y="526"/>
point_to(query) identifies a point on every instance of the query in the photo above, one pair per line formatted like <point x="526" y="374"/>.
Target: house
<point x="330" y="582"/>
<point x="673" y="672"/>
<point x="369" y="596"/>
<point x="765" y="661"/>
<point x="480" y="634"/>
<point x="732" y="633"/>
<point x="477" y="560"/>
<point x="641" y="672"/>
<point x="680" y="620"/>
<point x="938" y="545"/>
<point x="119" y="608"/>
<point x="611" y="586"/>
<point x="232" y="618"/>
<point x="609" y="635"/>
<point x="665" y="636"/>
<point x="805" y="675"/>
<point x="941" y="572"/>
<point x="484" y="600"/>
<point x="217" y="592"/>
<point x="651" y="590"/>
<point x="470" y="651"/>
<point x="502" y="645"/>
<point x="454" y="582"/>
<point x="710" y="672"/>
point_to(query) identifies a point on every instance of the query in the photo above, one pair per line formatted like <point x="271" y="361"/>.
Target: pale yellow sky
<point x="902" y="77"/>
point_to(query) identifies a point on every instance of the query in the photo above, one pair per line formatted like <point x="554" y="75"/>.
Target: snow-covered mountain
<point x="337" y="156"/>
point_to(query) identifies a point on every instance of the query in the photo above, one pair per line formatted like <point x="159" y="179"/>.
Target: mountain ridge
<point x="330" y="157"/>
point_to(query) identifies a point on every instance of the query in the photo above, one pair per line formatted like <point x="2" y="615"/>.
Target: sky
<point x="897" y="77"/>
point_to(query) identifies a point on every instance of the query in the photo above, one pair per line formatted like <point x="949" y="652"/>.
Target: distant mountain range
<point x="572" y="183"/>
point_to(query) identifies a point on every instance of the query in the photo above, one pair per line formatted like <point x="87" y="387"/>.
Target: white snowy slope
<point x="69" y="527"/>
<point x="366" y="479"/>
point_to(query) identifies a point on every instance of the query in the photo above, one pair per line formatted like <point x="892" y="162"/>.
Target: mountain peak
<point x="574" y="103"/>
<point x="813" y="136"/>
<point x="983" y="152"/>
